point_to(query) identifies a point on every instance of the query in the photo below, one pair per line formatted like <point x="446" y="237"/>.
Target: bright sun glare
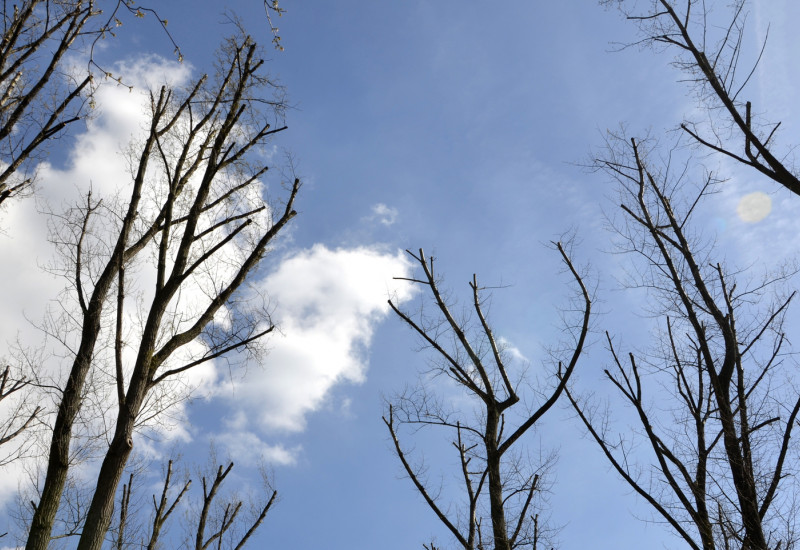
<point x="754" y="207"/>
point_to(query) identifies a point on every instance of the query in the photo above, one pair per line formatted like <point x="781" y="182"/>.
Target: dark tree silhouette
<point x="714" y="412"/>
<point x="709" y="48"/>
<point x="196" y="209"/>
<point x="497" y="477"/>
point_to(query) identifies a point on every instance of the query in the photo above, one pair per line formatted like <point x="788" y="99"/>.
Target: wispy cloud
<point x="511" y="350"/>
<point x="383" y="214"/>
<point x="250" y="451"/>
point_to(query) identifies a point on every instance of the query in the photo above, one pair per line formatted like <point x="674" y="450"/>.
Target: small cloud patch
<point x="384" y="214"/>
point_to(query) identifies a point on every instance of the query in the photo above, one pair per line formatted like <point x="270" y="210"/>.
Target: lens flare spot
<point x="754" y="207"/>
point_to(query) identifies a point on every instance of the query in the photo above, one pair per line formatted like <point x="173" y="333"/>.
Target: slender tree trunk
<point x="703" y="522"/>
<point x="98" y="518"/>
<point x="499" y="530"/>
<point x="741" y="475"/>
<point x="58" y="461"/>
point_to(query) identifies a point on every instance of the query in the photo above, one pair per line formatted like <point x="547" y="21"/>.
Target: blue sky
<point x="457" y="127"/>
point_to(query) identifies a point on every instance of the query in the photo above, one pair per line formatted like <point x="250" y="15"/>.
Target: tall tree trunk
<point x="98" y="518"/>
<point x="58" y="461"/>
<point x="496" y="505"/>
<point x="101" y="510"/>
<point x="741" y="474"/>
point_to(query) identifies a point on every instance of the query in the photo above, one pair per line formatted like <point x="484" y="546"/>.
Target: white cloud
<point x="250" y="450"/>
<point x="97" y="161"/>
<point x="384" y="214"/>
<point x="328" y="303"/>
<point x="511" y="350"/>
<point x="9" y="482"/>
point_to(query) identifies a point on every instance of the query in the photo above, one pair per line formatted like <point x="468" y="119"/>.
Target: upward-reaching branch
<point x="493" y="479"/>
<point x="163" y="509"/>
<point x="196" y="206"/>
<point x="39" y="98"/>
<point x="710" y="51"/>
<point x="17" y="421"/>
<point x="718" y="371"/>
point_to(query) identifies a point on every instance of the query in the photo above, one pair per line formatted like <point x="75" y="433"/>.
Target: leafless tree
<point x="225" y="515"/>
<point x="37" y="99"/>
<point x="197" y="219"/>
<point x="40" y="94"/>
<point x="714" y="410"/>
<point x="494" y="472"/>
<point x="223" y="521"/>
<point x="710" y="47"/>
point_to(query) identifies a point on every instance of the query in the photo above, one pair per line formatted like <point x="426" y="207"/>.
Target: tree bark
<point x="497" y="511"/>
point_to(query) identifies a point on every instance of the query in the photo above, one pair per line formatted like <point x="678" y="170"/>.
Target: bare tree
<point x="714" y="409"/>
<point x="36" y="97"/>
<point x="495" y="474"/>
<point x="710" y="48"/>
<point x="196" y="217"/>
<point x="217" y="519"/>
<point x="40" y="95"/>
<point x="223" y="522"/>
